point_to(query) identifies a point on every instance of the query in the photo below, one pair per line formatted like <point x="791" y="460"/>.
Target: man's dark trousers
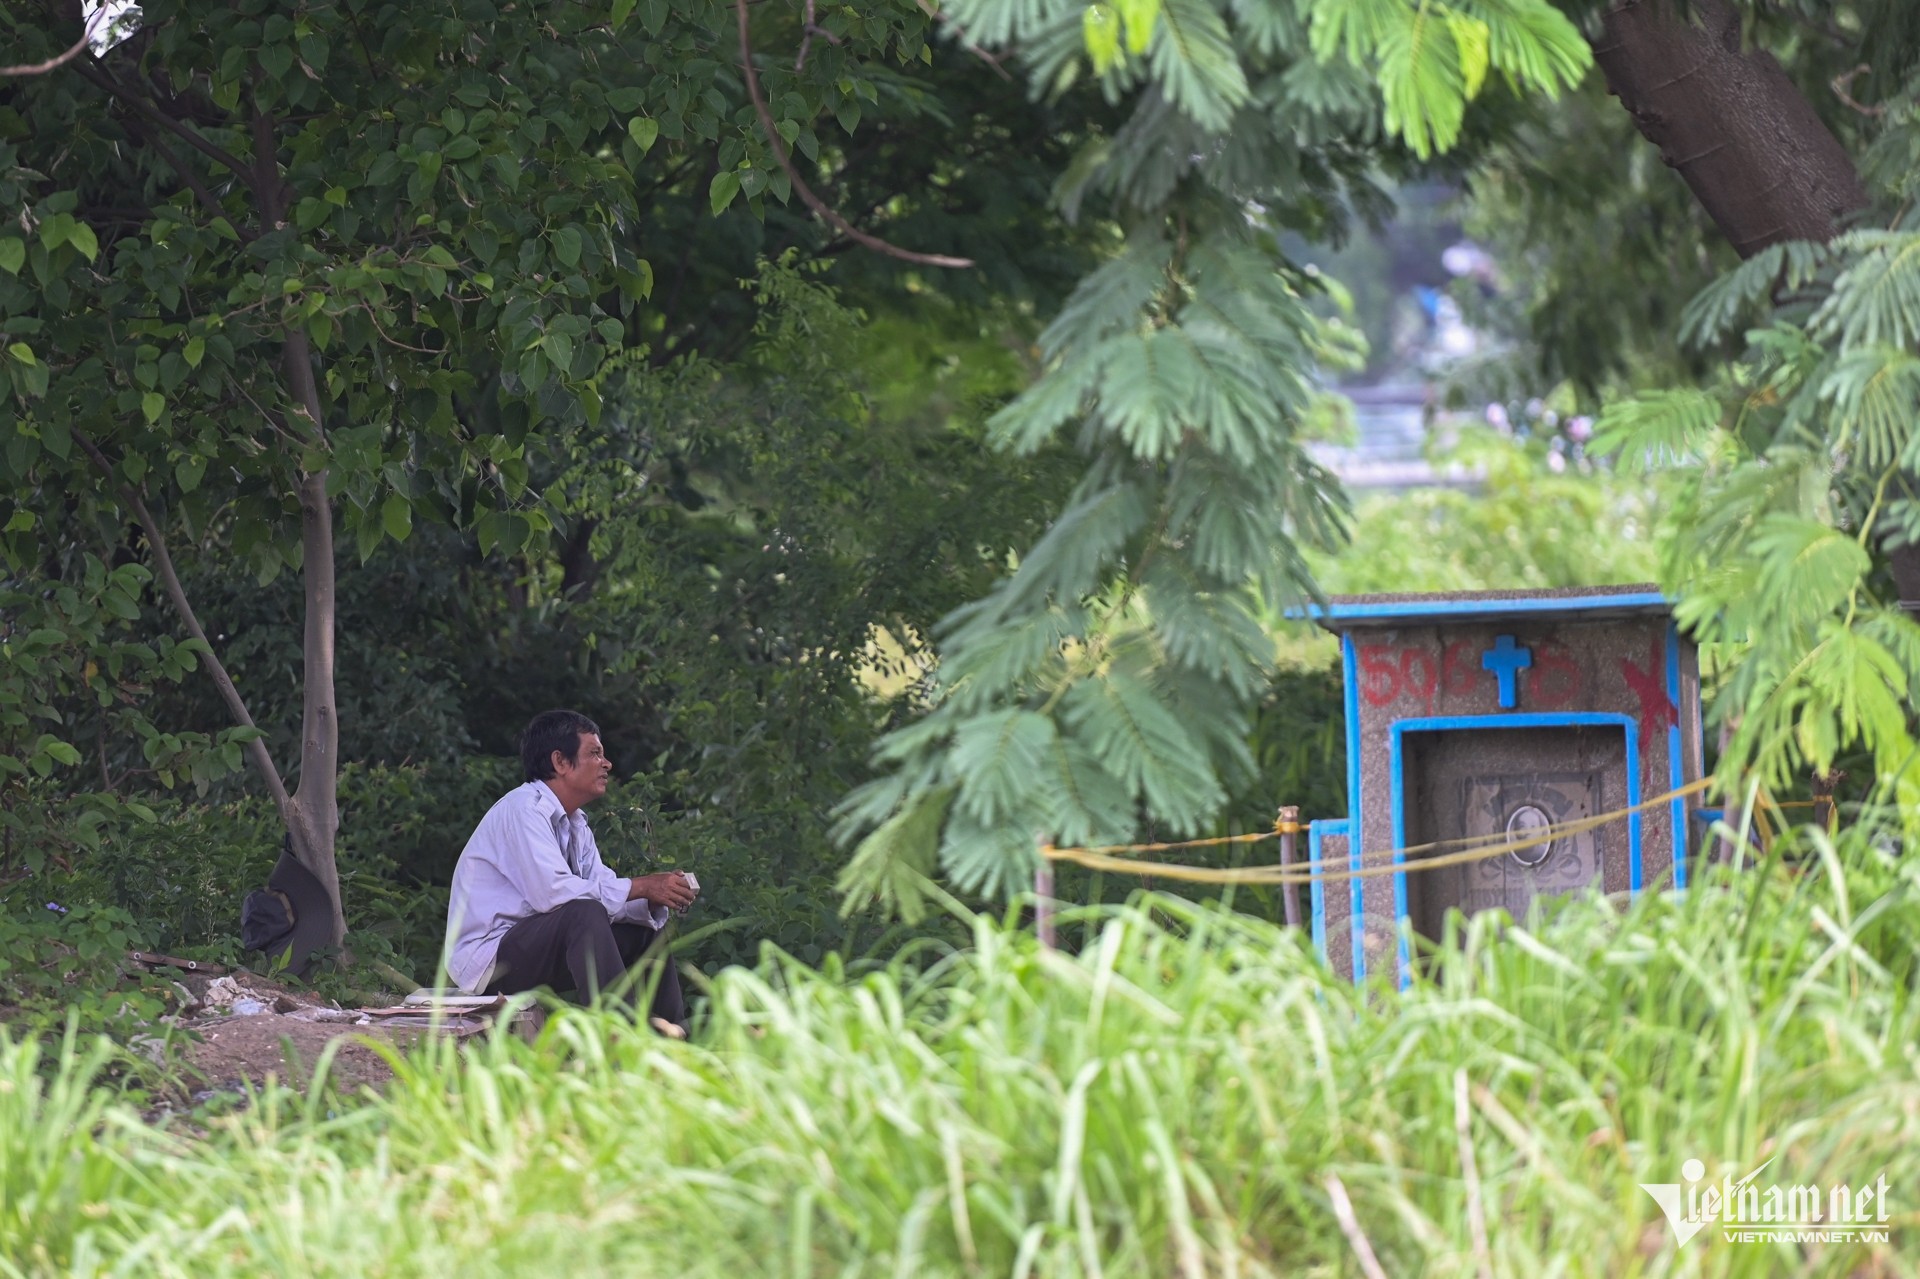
<point x="575" y="947"/>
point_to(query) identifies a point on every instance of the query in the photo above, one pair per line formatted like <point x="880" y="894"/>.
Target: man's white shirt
<point x="527" y="857"/>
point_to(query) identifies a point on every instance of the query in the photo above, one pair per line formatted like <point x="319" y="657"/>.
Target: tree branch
<point x="809" y="30"/>
<point x="267" y="187"/>
<point x="60" y="59"/>
<point x="200" y="190"/>
<point x="932" y="12"/>
<point x="805" y="192"/>
<point x="1730" y="121"/>
<point x="163" y="564"/>
<point x="1844" y="81"/>
<point x="107" y="84"/>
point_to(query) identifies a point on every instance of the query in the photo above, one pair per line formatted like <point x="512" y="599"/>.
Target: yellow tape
<point x="1215" y="842"/>
<point x="1474" y="848"/>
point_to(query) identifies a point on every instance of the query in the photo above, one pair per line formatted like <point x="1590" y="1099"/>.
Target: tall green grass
<point x="1186" y="1095"/>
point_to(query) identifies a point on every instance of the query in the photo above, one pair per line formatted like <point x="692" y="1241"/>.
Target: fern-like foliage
<point x="1105" y="683"/>
<point x="1806" y="455"/>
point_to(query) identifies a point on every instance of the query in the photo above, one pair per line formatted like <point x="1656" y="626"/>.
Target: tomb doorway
<point x="1483" y="783"/>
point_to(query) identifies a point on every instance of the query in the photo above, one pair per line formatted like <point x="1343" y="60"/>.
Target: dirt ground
<point x="235" y="1052"/>
<point x="240" y="1028"/>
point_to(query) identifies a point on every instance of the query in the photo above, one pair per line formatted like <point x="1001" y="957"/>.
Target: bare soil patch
<point x="243" y="1028"/>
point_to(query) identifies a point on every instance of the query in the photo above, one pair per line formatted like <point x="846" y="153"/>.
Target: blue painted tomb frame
<point x="1467" y="711"/>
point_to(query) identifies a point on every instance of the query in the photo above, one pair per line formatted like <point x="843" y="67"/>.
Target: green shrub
<point x="56" y="964"/>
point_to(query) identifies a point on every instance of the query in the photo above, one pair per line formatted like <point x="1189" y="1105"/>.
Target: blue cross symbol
<point x="1506" y="660"/>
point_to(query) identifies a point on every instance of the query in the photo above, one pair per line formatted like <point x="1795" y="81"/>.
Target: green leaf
<point x="1143" y="744"/>
<point x="992" y="860"/>
<point x="1213" y="633"/>
<point x="396" y="515"/>
<point x="13" y="254"/>
<point x="1193" y="57"/>
<point x="1100" y="28"/>
<point x="1471" y="38"/>
<point x="1807" y="568"/>
<point x="195" y="351"/>
<point x="1084" y="541"/>
<point x="1874" y="391"/>
<point x="1720" y="307"/>
<point x="188" y="471"/>
<point x="725" y="186"/>
<point x="55" y="230"/>
<point x="559" y="349"/>
<point x="1421" y="82"/>
<point x="637" y="283"/>
<point x="153" y="404"/>
<point x="566" y="246"/>
<point x="534" y="368"/>
<point x="644" y="132"/>
<point x="1089" y="805"/>
<point x="487" y="531"/>
<point x="984" y="660"/>
<point x="1658" y="430"/>
<point x="997" y="758"/>
<point x="22" y="352"/>
<point x="366" y="537"/>
<point x="1139" y="17"/>
<point x="310" y="213"/>
<point x="1876" y="300"/>
<point x="890" y="868"/>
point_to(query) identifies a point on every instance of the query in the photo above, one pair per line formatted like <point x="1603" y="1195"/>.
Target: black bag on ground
<point x="290" y="916"/>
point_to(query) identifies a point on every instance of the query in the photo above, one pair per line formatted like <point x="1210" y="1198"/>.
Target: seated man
<point x="533" y="905"/>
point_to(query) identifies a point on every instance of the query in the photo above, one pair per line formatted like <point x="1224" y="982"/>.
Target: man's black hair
<point x="552" y="731"/>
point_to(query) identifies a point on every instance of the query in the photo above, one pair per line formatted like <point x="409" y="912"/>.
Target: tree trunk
<point x="313" y="814"/>
<point x="1729" y="121"/>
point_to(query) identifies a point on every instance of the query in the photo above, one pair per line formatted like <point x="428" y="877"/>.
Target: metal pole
<point x="1290" y="893"/>
<point x="1043" y="902"/>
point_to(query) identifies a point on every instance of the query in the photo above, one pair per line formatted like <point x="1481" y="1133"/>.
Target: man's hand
<point x="668" y="888"/>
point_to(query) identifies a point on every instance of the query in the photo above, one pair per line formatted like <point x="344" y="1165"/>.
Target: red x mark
<point x="1657" y="710"/>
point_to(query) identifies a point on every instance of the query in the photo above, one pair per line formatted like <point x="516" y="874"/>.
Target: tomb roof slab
<point x="1579" y="603"/>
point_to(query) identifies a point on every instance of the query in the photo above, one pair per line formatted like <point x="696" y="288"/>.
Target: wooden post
<point x="1823" y="810"/>
<point x="1290" y="894"/>
<point x="1043" y="901"/>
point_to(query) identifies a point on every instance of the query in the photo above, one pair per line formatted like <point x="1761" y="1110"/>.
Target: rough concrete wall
<point x="1428" y="671"/>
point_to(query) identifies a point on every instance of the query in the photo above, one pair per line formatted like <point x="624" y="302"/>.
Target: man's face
<point x="582" y="779"/>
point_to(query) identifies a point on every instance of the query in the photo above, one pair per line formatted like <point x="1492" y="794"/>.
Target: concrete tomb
<point x="1474" y="714"/>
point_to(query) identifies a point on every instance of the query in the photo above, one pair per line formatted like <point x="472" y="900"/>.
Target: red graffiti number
<point x="1418" y="675"/>
<point x="1461" y="669"/>
<point x="1387" y="673"/>
<point x="1379" y="681"/>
